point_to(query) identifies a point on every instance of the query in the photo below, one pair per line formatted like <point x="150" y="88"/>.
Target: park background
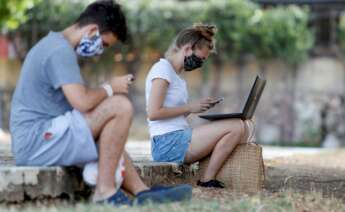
<point x="298" y="47"/>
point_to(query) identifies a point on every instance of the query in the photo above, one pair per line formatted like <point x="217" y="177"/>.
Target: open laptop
<point x="248" y="109"/>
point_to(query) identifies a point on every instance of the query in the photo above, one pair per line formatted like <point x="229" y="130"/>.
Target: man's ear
<point x="91" y="29"/>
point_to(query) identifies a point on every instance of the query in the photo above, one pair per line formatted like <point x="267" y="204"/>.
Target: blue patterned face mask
<point x="89" y="47"/>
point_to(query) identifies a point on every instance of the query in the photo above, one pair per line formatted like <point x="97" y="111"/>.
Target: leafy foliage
<point x="283" y="33"/>
<point x="13" y="13"/>
<point x="233" y="19"/>
<point x="341" y="32"/>
<point x="155" y="23"/>
<point x="243" y="27"/>
<point x="49" y="15"/>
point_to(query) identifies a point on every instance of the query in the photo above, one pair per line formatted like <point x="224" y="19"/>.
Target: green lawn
<point x="286" y="201"/>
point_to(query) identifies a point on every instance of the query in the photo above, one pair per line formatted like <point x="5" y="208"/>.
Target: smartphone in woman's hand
<point x="217" y="101"/>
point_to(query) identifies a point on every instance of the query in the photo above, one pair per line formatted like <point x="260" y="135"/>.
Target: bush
<point x="244" y="28"/>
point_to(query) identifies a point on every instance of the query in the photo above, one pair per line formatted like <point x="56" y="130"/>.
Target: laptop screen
<point x="253" y="97"/>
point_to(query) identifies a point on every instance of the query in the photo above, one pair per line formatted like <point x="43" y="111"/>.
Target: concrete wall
<point x="290" y="109"/>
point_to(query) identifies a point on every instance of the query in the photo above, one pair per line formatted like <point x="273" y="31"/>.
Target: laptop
<point x="249" y="107"/>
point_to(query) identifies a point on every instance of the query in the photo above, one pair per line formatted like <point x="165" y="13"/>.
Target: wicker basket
<point x="243" y="171"/>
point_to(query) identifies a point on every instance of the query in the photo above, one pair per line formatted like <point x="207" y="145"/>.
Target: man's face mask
<point x="89" y="47"/>
<point x="192" y="62"/>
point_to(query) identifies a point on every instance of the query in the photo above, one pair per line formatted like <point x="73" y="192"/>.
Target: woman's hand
<point x="120" y="84"/>
<point x="201" y="105"/>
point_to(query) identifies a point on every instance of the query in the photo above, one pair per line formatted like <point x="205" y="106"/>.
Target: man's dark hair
<point x="109" y="17"/>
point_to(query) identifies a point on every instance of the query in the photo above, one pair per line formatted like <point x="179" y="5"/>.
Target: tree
<point x="283" y="33"/>
<point x="45" y="16"/>
<point x="341" y="50"/>
<point x="13" y="13"/>
<point x="234" y="39"/>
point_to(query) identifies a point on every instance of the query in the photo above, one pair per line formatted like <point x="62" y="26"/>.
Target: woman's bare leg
<point x="218" y="138"/>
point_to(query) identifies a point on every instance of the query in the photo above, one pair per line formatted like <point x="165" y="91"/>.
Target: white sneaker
<point x="90" y="173"/>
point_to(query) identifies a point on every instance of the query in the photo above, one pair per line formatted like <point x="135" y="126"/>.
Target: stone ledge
<point x="20" y="183"/>
<point x="29" y="183"/>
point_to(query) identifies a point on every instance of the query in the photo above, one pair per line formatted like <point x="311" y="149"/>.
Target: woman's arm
<point x="155" y="109"/>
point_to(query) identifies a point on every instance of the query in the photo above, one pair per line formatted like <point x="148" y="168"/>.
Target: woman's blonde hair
<point x="199" y="36"/>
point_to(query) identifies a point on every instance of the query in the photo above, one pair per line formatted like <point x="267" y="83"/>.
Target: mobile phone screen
<point x="219" y="100"/>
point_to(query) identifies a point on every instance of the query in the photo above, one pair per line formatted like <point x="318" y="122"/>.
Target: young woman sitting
<point x="173" y="140"/>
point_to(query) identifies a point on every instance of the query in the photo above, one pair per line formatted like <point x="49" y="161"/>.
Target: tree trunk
<point x="323" y="125"/>
<point x="218" y="69"/>
<point x="34" y="33"/>
<point x="2" y="109"/>
<point x="241" y="63"/>
<point x="132" y="66"/>
<point x="288" y="116"/>
<point x="341" y="57"/>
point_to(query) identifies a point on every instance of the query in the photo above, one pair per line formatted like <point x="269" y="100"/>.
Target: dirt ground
<point x="329" y="159"/>
<point x="204" y="200"/>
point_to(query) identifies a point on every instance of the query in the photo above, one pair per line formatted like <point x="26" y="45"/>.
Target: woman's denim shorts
<point x="172" y="146"/>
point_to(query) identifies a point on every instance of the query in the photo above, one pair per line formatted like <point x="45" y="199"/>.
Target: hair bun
<point x="207" y="31"/>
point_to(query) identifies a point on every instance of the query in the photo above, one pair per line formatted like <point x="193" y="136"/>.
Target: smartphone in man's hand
<point x="131" y="78"/>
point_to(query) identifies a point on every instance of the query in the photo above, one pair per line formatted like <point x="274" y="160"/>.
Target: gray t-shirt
<point x="38" y="96"/>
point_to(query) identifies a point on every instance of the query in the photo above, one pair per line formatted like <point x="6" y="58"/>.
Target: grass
<point x="277" y="202"/>
<point x="295" y="144"/>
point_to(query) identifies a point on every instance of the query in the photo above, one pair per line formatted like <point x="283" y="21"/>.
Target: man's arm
<point x="83" y="98"/>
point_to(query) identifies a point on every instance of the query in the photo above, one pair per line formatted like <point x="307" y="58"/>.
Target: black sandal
<point x="211" y="184"/>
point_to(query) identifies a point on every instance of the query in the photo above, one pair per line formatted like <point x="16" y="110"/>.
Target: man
<point x="56" y="119"/>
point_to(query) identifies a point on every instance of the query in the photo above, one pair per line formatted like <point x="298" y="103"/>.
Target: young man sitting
<point x="56" y="120"/>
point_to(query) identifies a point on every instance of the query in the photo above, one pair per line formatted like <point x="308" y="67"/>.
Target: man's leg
<point x="132" y="181"/>
<point x="110" y="121"/>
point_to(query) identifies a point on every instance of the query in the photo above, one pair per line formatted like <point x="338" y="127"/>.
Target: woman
<point x="166" y="100"/>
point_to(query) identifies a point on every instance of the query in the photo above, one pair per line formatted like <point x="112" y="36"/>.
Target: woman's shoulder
<point x="161" y="66"/>
<point x="163" y="70"/>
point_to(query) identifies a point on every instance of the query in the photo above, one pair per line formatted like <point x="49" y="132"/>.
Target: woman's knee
<point x="237" y="127"/>
<point x="244" y="132"/>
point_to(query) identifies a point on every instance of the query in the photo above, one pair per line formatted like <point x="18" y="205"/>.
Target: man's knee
<point x="121" y="106"/>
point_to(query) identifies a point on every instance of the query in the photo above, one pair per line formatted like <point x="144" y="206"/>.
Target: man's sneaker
<point x="117" y="199"/>
<point x="164" y="194"/>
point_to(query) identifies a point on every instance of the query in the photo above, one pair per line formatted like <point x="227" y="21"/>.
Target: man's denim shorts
<point x="172" y="146"/>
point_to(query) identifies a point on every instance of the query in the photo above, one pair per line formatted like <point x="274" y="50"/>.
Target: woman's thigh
<point x="205" y="137"/>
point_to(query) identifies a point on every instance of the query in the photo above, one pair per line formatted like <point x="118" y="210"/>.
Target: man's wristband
<point x="108" y="89"/>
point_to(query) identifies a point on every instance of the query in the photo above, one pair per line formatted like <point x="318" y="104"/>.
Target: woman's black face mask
<point x="192" y="62"/>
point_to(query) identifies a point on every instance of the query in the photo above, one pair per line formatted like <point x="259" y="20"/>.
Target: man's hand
<point x="201" y="106"/>
<point x="120" y="84"/>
